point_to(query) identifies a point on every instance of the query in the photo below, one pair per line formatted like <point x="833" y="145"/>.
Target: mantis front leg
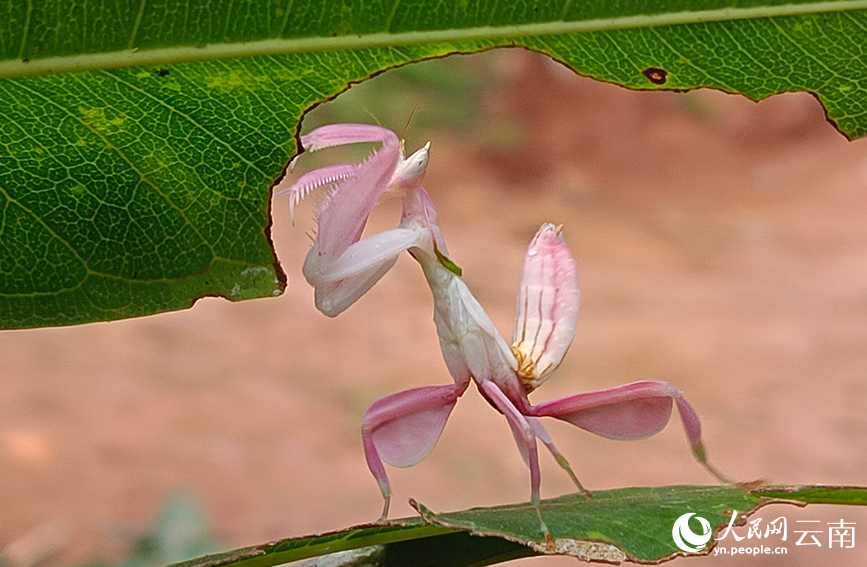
<point x="357" y="188"/>
<point x="310" y="181"/>
<point x="338" y="283"/>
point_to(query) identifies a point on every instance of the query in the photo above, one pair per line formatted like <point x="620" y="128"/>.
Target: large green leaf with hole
<point x="138" y="139"/>
<point x="627" y="524"/>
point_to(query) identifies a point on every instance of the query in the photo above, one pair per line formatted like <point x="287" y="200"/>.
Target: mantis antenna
<point x="408" y="120"/>
<point x="372" y="115"/>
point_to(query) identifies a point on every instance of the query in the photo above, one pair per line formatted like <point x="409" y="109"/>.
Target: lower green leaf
<point x="625" y="524"/>
<point x="632" y="524"/>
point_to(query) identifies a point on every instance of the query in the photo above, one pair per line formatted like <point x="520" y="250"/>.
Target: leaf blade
<point x="199" y="35"/>
<point x="198" y="144"/>
<point x="621" y="524"/>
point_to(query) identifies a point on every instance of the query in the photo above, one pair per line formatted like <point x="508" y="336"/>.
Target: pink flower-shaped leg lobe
<point x="402" y="428"/>
<point x="631" y="411"/>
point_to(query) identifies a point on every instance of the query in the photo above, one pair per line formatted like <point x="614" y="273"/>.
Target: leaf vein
<point x="136" y="24"/>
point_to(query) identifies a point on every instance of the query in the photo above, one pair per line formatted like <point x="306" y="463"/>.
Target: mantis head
<point x="410" y="171"/>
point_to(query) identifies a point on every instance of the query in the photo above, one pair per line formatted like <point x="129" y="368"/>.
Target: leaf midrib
<point x="185" y="53"/>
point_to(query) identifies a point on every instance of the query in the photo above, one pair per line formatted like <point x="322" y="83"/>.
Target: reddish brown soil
<point x="722" y="246"/>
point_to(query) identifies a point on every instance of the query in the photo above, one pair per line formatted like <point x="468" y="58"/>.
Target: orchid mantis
<point x="402" y="428"/>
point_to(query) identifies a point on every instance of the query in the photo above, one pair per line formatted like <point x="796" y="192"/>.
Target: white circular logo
<point x="685" y="538"/>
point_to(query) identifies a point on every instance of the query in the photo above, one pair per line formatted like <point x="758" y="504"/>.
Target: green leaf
<point x="848" y="495"/>
<point x="128" y="193"/>
<point x="141" y="183"/>
<point x="614" y="525"/>
<point x="633" y="524"/>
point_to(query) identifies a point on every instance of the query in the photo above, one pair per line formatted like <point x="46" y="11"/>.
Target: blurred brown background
<point x="722" y="246"/>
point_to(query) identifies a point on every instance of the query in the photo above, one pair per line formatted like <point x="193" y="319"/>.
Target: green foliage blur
<point x="458" y="93"/>
<point x="179" y="532"/>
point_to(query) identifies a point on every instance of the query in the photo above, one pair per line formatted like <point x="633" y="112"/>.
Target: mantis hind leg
<point x="525" y="436"/>
<point x="402" y="428"/>
<point x="631" y="411"/>
<point x="545" y="438"/>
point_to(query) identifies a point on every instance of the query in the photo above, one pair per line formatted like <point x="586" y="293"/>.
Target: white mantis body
<point x="402" y="428"/>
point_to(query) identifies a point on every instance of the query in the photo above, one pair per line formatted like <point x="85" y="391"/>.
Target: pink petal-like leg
<point x="334" y="298"/>
<point x="368" y="252"/>
<point x="340" y="226"/>
<point x="340" y="282"/>
<point x="545" y="438"/>
<point x="631" y="411"/>
<point x="525" y="436"/>
<point x="402" y="428"/>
